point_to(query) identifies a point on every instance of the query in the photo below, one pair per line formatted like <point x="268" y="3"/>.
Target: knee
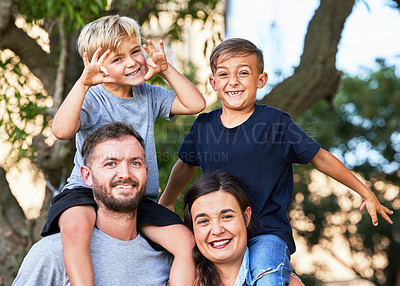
<point x="77" y="220"/>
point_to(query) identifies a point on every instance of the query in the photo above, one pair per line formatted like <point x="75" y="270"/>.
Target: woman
<point x="218" y="212"/>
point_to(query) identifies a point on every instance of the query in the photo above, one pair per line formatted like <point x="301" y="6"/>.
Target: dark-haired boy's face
<point x="236" y="80"/>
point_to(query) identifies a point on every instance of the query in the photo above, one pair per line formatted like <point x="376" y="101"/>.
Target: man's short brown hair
<point x="110" y="131"/>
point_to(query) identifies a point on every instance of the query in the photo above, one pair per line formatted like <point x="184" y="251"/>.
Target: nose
<point x="123" y="171"/>
<point x="217" y="228"/>
<point x="131" y="61"/>
<point x="233" y="81"/>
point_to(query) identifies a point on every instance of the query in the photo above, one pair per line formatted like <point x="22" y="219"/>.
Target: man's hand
<point x="373" y="207"/>
<point x="94" y="72"/>
<point x="157" y="61"/>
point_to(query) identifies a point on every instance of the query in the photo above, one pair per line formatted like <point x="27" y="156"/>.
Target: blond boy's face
<point x="236" y="80"/>
<point x="127" y="65"/>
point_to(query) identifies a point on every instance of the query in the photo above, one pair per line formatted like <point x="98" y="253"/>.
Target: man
<point x="116" y="171"/>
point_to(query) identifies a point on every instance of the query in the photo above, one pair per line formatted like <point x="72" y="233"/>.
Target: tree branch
<point x="5" y="14"/>
<point x="316" y="77"/>
<point x="41" y="64"/>
<point x="59" y="86"/>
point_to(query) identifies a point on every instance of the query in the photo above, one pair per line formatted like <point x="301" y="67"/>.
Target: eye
<point x="202" y="221"/>
<point x="222" y="74"/>
<point x="136" y="163"/>
<point x="110" y="164"/>
<point x="117" y="60"/>
<point x="227" y="217"/>
<point x="244" y="73"/>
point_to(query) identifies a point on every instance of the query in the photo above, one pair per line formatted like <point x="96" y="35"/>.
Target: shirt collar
<point x="244" y="277"/>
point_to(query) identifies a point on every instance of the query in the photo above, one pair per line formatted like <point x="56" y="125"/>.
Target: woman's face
<point x="219" y="227"/>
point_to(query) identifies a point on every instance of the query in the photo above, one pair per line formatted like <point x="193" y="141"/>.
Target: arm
<point x="188" y="98"/>
<point x="331" y="166"/>
<point x="179" y="241"/>
<point x="180" y="176"/>
<point x="66" y="121"/>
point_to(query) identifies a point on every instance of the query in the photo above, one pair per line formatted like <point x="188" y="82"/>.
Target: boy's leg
<point x="165" y="228"/>
<point x="269" y="260"/>
<point x="73" y="211"/>
<point x="76" y="225"/>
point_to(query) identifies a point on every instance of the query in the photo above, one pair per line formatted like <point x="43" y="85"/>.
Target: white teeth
<point x="233" y="93"/>
<point x="219" y="243"/>
<point x="123" y="187"/>
<point x="132" y="73"/>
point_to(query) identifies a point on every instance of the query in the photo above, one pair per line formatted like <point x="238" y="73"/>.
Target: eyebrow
<point x="241" y="65"/>
<point x="117" y="159"/>
<point x="224" y="211"/>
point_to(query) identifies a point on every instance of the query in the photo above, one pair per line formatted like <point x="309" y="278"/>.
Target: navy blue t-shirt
<point x="260" y="152"/>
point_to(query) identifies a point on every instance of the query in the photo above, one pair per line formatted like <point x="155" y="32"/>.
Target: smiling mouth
<point x="234" y="93"/>
<point x="220" y="243"/>
<point x="124" y="184"/>
<point x="123" y="187"/>
<point x="133" y="73"/>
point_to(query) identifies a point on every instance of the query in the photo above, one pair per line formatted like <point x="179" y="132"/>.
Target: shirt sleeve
<point x="43" y="265"/>
<point x="162" y="100"/>
<point x="299" y="147"/>
<point x="188" y="150"/>
<point x="89" y="115"/>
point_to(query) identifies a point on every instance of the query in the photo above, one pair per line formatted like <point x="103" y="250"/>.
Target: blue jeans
<point x="269" y="260"/>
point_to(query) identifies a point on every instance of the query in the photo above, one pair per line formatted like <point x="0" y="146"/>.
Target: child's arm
<point x="180" y="176"/>
<point x="179" y="241"/>
<point x="188" y="98"/>
<point x="331" y="166"/>
<point x="76" y="227"/>
<point x="66" y="121"/>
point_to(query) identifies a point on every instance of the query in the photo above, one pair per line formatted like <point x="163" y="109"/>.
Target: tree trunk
<point x="316" y="77"/>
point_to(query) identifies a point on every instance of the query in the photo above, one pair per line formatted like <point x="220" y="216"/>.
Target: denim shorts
<point x="269" y="260"/>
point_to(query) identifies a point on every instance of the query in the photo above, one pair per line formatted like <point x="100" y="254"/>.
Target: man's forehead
<point x="127" y="146"/>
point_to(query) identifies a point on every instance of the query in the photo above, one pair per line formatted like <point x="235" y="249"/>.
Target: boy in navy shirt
<point x="258" y="144"/>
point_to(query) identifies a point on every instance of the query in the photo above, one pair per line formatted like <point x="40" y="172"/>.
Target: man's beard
<point x="102" y="193"/>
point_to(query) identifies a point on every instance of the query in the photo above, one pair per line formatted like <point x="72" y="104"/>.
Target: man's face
<point x="117" y="174"/>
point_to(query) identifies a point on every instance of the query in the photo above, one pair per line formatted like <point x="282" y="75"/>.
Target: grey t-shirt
<point x="100" y="107"/>
<point x="115" y="262"/>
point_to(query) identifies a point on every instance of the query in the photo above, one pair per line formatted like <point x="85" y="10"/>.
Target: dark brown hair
<point x="114" y="130"/>
<point x="235" y="47"/>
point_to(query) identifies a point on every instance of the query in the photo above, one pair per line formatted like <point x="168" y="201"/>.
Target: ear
<point x="262" y="80"/>
<point x="211" y="79"/>
<point x="86" y="175"/>
<point x="247" y="215"/>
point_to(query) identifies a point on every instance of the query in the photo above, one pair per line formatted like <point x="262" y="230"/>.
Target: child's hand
<point x="157" y="61"/>
<point x="374" y="207"/>
<point x="94" y="72"/>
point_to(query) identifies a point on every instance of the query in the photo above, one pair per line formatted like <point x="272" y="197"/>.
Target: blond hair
<point x="107" y="32"/>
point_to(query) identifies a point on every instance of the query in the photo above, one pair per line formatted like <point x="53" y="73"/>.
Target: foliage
<point x="23" y="106"/>
<point x="74" y="14"/>
<point x="360" y="127"/>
